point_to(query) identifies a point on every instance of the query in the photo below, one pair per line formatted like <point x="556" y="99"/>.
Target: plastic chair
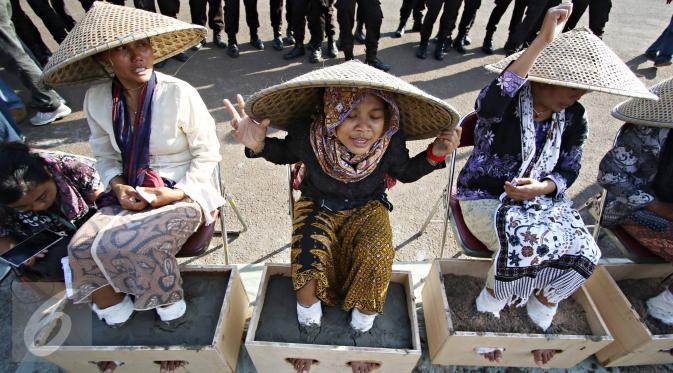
<point x="470" y="245"/>
<point x="626" y="244"/>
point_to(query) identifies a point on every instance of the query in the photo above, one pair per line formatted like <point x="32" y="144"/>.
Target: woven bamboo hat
<point x="579" y="59"/>
<point x="648" y="112"/>
<point x="108" y="26"/>
<point x="421" y="114"/>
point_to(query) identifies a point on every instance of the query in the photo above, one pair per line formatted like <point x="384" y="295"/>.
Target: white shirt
<point x="183" y="143"/>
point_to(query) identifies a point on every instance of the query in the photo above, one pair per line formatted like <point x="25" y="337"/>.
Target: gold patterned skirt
<point x="350" y="253"/>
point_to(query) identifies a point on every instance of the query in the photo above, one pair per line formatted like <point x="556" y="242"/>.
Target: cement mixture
<point x="278" y="321"/>
<point x="461" y="291"/>
<point x="638" y="292"/>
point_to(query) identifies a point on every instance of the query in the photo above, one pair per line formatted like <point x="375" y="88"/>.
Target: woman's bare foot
<point x="542" y="357"/>
<point x="493" y="356"/>
<point x="170" y="366"/>
<point x="301" y="365"/>
<point x="362" y="366"/>
<point x="106" y="366"/>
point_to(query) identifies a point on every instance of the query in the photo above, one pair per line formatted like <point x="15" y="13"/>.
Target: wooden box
<point x="634" y="343"/>
<point x="224" y="323"/>
<point x="273" y="356"/>
<point x="454" y="347"/>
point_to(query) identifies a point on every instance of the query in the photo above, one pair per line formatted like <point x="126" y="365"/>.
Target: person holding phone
<point x="527" y="152"/>
<point x="43" y="191"/>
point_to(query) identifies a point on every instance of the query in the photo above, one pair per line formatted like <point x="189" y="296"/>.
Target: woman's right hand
<point x="128" y="197"/>
<point x="555" y="18"/>
<point x="246" y="130"/>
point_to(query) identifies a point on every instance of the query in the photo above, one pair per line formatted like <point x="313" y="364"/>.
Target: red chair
<point x="470" y="245"/>
<point x="626" y="244"/>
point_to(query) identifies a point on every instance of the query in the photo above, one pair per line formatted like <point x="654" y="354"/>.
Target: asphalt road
<point x="260" y="188"/>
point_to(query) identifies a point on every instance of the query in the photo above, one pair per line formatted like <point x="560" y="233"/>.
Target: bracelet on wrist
<point x="432" y="157"/>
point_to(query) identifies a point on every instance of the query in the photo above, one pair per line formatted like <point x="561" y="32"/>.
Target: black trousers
<point x="410" y="7"/>
<point x="54" y="22"/>
<point x="467" y="18"/>
<point x="500" y="9"/>
<point x="232" y="14"/>
<point x="86" y="4"/>
<point x="15" y="57"/>
<point x="372" y="16"/>
<point x="599" y="14"/>
<point x="215" y="19"/>
<point x="168" y="8"/>
<point x="320" y="17"/>
<point x="535" y="11"/>
<point x="29" y="34"/>
<point x="276" y="15"/>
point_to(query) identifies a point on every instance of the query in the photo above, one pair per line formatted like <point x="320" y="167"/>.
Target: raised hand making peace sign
<point x="247" y="131"/>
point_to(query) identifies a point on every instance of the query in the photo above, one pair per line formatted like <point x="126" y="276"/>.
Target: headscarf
<point x="335" y="159"/>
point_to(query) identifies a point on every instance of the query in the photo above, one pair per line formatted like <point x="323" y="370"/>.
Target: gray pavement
<point x="261" y="188"/>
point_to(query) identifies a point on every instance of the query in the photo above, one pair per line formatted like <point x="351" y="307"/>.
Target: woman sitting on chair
<point x="528" y="146"/>
<point x="42" y="190"/>
<point x="638" y="176"/>
<point x="156" y="150"/>
<point x="342" y="247"/>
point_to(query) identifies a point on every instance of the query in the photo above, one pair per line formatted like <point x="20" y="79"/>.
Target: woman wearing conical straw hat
<point x="638" y="176"/>
<point x="347" y="124"/>
<point x="156" y="151"/>
<point x="528" y="147"/>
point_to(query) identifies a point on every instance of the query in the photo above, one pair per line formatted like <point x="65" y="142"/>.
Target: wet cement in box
<point x="461" y="292"/>
<point x="638" y="292"/>
<point x="278" y="320"/>
<point x="204" y="294"/>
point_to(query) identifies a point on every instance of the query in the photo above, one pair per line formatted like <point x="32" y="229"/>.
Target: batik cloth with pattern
<point x="543" y="242"/>
<point x="334" y="157"/>
<point x="134" y="252"/>
<point x="349" y="253"/>
<point x="628" y="172"/>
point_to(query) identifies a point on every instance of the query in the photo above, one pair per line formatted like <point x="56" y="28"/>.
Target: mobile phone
<point x="31" y="246"/>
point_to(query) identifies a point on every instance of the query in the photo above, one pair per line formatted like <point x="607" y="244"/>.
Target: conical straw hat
<point x="648" y="112"/>
<point x="421" y="114"/>
<point x="579" y="59"/>
<point x="106" y="26"/>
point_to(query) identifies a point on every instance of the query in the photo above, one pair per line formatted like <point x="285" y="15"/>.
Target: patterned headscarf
<point x="335" y="159"/>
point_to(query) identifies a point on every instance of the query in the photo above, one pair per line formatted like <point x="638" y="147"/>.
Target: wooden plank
<point x="634" y="344"/>
<point x="230" y="329"/>
<point x="436" y="322"/>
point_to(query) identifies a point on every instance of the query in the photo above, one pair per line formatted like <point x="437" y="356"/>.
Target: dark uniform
<point x="86" y="4"/>
<point x="408" y="8"/>
<point x="373" y="16"/>
<point x="276" y="15"/>
<point x="215" y="18"/>
<point x="599" y="14"/>
<point x="446" y="24"/>
<point x="528" y="28"/>
<point x="232" y="10"/>
<point x="497" y="13"/>
<point x="168" y="8"/>
<point x="320" y="16"/>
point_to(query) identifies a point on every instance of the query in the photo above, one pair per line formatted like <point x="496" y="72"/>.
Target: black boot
<point x="296" y="52"/>
<point x="439" y="50"/>
<point x="422" y="51"/>
<point x="331" y="50"/>
<point x="376" y="63"/>
<point x="277" y="42"/>
<point x="255" y="41"/>
<point x="487" y="47"/>
<point x="316" y="55"/>
<point x="467" y="40"/>
<point x="459" y="45"/>
<point x="400" y="30"/>
<point x="348" y="54"/>
<point x="418" y="25"/>
<point x="289" y="39"/>
<point x="232" y="49"/>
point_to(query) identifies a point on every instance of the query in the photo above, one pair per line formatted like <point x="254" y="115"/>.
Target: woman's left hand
<point x="525" y="188"/>
<point x="163" y="195"/>
<point x="446" y="142"/>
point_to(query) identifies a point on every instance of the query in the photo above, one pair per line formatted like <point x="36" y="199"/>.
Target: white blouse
<point x="183" y="143"/>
